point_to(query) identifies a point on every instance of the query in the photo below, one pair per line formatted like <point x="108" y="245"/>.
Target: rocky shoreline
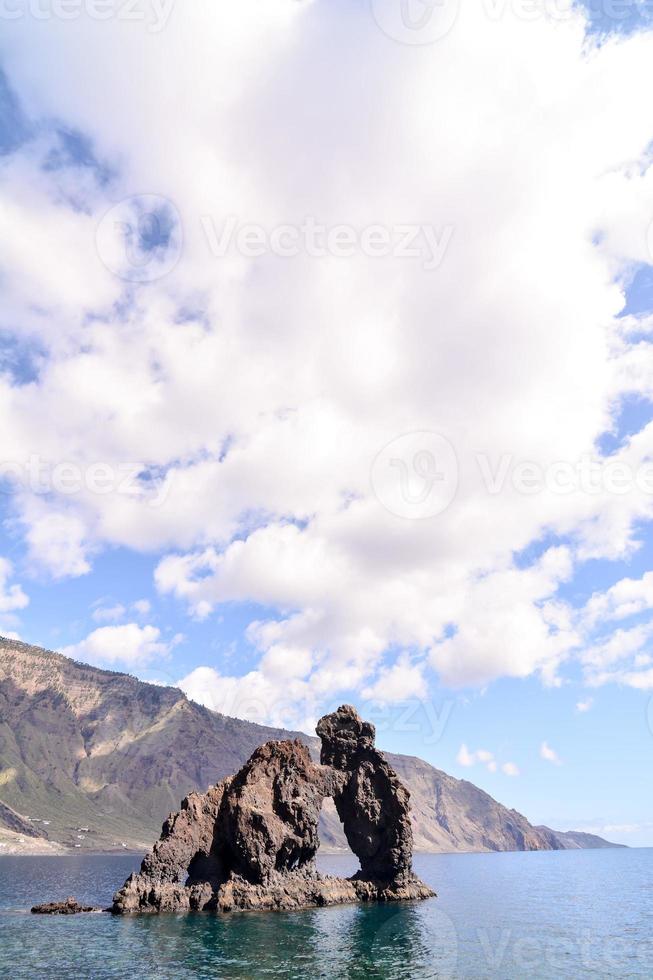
<point x="70" y="906"/>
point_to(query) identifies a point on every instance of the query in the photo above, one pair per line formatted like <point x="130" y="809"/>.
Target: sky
<point x="326" y="371"/>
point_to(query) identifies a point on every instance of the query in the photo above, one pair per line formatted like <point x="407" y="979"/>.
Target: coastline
<point x="40" y="847"/>
<point x="13" y="844"/>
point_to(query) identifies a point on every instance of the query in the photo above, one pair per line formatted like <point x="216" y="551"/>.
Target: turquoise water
<point x="549" y="914"/>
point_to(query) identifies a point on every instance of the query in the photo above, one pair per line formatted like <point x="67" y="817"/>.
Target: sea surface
<point x="561" y="914"/>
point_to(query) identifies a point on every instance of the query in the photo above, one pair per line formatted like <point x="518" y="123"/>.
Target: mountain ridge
<point x="95" y="759"/>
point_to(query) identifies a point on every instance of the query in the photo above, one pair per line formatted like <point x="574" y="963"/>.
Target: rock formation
<point x="251" y="841"/>
<point x="372" y="803"/>
<point x="68" y="907"/>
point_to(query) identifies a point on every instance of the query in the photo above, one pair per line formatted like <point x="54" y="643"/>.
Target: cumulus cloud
<point x="56" y="540"/>
<point x="12" y="596"/>
<point x="610" y="652"/>
<point x="629" y="676"/>
<point x="509" y="624"/>
<point x="468" y="759"/>
<point x="257" y="696"/>
<point x="585" y="705"/>
<point x="625" y="598"/>
<point x="510" y="769"/>
<point x="622" y="658"/>
<point x="465" y="757"/>
<point x="127" y="645"/>
<point x="549" y="754"/>
<point x="621" y="644"/>
<point x="486" y="758"/>
<point x="142" y="606"/>
<point x="108" y="614"/>
<point x="238" y="403"/>
<point x="397" y="683"/>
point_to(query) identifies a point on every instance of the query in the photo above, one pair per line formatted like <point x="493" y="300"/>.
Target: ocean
<point x="561" y="914"/>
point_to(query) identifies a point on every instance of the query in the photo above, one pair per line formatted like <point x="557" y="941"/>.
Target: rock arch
<point x="372" y="803"/>
<point x="251" y="841"/>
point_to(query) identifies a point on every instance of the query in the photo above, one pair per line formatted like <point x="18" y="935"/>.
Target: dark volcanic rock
<point x="250" y="842"/>
<point x="271" y="811"/>
<point x="185" y="866"/>
<point x="69" y="907"/>
<point x="372" y="803"/>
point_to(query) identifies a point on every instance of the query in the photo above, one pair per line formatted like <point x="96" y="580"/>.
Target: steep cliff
<point x="93" y="759"/>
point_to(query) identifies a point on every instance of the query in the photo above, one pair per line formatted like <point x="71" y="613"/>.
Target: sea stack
<point x="250" y="841"/>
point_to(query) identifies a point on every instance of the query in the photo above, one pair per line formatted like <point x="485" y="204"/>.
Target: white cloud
<point x="585" y="705"/>
<point x="611" y="654"/>
<point x="608" y="829"/>
<point x="465" y="757"/>
<point x="283" y="702"/>
<point x="56" y="541"/>
<point x="626" y="598"/>
<point x="510" y="769"/>
<point x="142" y="606"/>
<point x="256" y="415"/>
<point x="620" y="658"/>
<point x="549" y="754"/>
<point x="640" y="680"/>
<point x="482" y="756"/>
<point x="397" y="683"/>
<point x="509" y="625"/>
<point x="108" y="614"/>
<point x="12" y="597"/>
<point x="127" y="645"/>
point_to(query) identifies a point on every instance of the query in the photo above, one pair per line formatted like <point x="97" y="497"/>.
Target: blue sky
<point x="308" y="318"/>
